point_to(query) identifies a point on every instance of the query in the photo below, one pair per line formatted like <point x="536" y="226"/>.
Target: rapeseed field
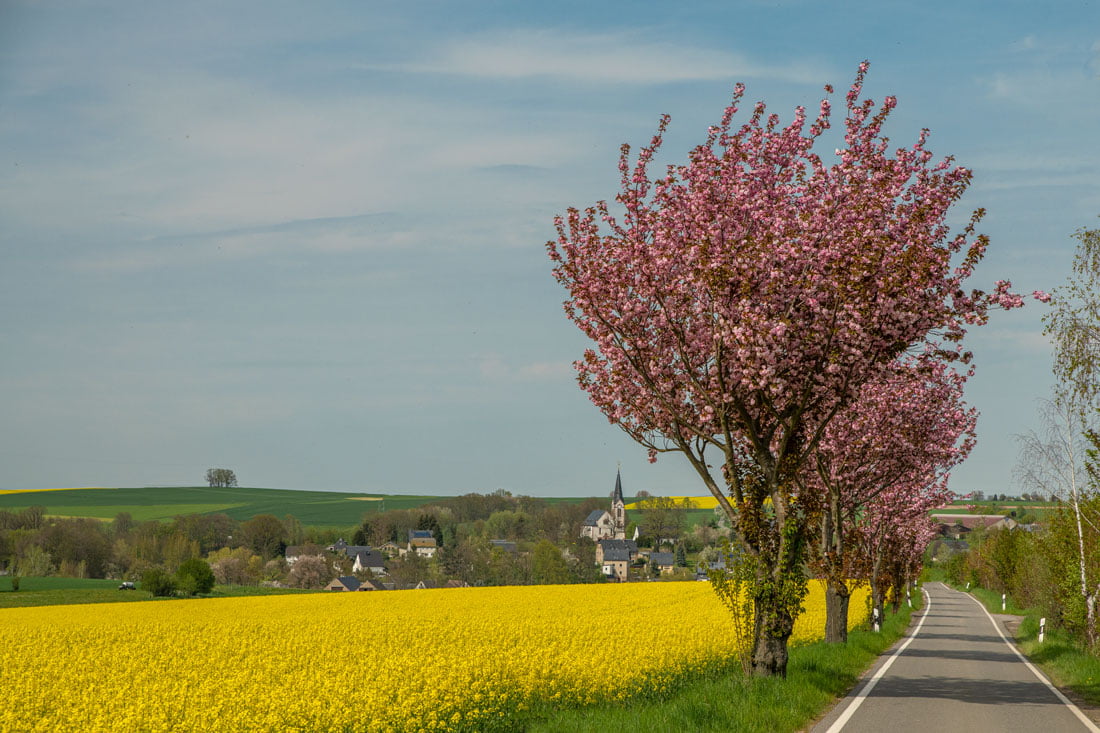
<point x="467" y="659"/>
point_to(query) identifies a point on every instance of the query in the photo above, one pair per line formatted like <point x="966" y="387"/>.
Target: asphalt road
<point x="954" y="672"/>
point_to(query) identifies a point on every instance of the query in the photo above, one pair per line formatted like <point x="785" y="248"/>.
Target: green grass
<point x="312" y="508"/>
<point x="68" y="591"/>
<point x="1061" y="658"/>
<point x="817" y="674"/>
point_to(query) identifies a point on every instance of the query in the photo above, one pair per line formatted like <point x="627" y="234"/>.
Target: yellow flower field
<point x="697" y="502"/>
<point x="445" y="660"/>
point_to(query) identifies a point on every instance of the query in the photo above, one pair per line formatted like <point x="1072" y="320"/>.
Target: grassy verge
<point x="817" y="674"/>
<point x="1061" y="658"/>
<point x="68" y="591"/>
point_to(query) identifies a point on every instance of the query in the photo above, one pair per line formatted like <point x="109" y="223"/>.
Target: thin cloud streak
<point x="623" y="58"/>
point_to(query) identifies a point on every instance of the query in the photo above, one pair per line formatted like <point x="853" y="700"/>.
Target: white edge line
<point x="1035" y="671"/>
<point x="862" y="695"/>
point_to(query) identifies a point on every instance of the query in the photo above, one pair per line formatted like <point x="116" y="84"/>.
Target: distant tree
<point x="121" y="525"/>
<point x="508" y="525"/>
<point x="210" y="531"/>
<point x="310" y="571"/>
<point x="681" y="556"/>
<point x="77" y="543"/>
<point x="264" y="534"/>
<point x="158" y="581"/>
<point x="33" y="517"/>
<point x="35" y="562"/>
<point x="194" y="577"/>
<point x="221" y="477"/>
<point x="548" y="566"/>
<point x="663" y="518"/>
<point x="235" y="566"/>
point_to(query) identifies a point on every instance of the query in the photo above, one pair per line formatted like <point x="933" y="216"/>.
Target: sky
<point x="306" y="241"/>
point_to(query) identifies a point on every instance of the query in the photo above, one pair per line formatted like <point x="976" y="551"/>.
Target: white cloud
<point x="625" y="57"/>
<point x="495" y="368"/>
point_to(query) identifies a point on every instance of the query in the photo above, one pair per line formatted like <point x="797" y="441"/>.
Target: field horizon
<point x="163" y="503"/>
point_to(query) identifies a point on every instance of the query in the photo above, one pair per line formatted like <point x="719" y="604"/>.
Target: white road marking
<point x="840" y="722"/>
<point x="1065" y="701"/>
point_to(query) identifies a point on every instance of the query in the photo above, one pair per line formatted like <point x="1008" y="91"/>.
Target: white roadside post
<point x="876" y="623"/>
<point x="1002" y="602"/>
<point x="1042" y="629"/>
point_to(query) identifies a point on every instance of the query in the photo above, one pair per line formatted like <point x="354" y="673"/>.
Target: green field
<point x="312" y="508"/>
<point x="55" y="591"/>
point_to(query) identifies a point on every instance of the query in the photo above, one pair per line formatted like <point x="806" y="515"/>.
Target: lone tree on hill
<point x="743" y="299"/>
<point x="222" y="477"/>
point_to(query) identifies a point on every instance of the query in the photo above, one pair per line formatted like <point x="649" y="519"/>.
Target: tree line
<point x="538" y="541"/>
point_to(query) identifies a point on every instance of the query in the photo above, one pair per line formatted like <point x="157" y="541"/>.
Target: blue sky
<point x="306" y="240"/>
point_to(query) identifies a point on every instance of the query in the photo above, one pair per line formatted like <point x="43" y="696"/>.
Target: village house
<point x="615" y="557"/>
<point x="345" y="583"/>
<point x="422" y="542"/>
<point x="662" y="562"/>
<point x="369" y="559"/>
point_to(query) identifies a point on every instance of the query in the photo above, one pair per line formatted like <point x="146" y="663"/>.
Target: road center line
<point x="840" y="722"/>
<point x="1065" y="701"/>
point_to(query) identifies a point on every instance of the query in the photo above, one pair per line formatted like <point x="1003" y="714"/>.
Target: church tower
<point x="618" y="509"/>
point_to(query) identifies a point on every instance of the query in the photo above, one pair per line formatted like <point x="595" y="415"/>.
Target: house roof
<point x="506" y="545"/>
<point x="593" y="518"/>
<point x="661" y="558"/>
<point x="616" y="554"/>
<point x="370" y="558"/>
<point x="348" y="581"/>
<point x="421" y="538"/>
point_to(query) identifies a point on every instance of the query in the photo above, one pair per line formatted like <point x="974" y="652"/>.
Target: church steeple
<point x="618" y="508"/>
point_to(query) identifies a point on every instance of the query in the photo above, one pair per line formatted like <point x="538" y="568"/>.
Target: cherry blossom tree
<point x="891" y="534"/>
<point x="741" y="300"/>
<point x="903" y="432"/>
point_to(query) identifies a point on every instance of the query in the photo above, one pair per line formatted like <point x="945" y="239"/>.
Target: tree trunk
<point x="878" y="602"/>
<point x="837" y="597"/>
<point x="771" y="631"/>
<point x="1090" y="620"/>
<point x="895" y="600"/>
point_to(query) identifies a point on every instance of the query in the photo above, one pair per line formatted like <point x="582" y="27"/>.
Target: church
<point x="608" y="525"/>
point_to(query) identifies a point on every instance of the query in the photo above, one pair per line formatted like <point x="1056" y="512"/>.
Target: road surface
<point x="954" y="672"/>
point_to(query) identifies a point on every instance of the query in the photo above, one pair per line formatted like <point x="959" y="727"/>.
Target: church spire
<point x="618" y="507"/>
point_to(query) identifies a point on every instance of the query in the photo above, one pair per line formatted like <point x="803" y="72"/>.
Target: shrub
<point x="194" y="577"/>
<point x="158" y="582"/>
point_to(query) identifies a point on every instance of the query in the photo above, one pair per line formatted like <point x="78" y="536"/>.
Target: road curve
<point x="955" y="671"/>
